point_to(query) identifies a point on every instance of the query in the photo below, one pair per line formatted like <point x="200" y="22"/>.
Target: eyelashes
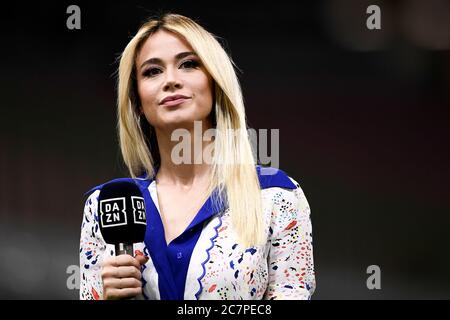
<point x="188" y="64"/>
<point x="150" y="72"/>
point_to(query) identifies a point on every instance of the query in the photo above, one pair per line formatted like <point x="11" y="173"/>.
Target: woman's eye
<point x="151" y="72"/>
<point x="190" y="64"/>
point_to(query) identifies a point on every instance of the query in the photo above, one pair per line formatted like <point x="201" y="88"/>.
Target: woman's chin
<point x="181" y="120"/>
<point x="178" y="122"/>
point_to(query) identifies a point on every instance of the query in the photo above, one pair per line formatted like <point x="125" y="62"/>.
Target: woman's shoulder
<point x="270" y="177"/>
<point x="284" y="203"/>
<point x="281" y="190"/>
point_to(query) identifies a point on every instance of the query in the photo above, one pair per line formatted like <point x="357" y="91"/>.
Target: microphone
<point x="122" y="215"/>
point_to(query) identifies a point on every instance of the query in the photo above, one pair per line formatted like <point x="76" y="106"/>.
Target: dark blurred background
<point x="363" y="118"/>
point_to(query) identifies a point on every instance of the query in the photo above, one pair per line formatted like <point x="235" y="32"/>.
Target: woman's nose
<point x="172" y="81"/>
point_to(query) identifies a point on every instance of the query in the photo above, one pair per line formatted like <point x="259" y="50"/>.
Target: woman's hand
<point x="121" y="276"/>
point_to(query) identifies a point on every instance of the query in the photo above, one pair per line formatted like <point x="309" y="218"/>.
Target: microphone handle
<point x="124" y="248"/>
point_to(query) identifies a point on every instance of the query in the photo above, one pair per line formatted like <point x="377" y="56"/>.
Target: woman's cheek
<point x="148" y="98"/>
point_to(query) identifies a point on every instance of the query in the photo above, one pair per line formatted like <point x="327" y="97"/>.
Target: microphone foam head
<point x="121" y="210"/>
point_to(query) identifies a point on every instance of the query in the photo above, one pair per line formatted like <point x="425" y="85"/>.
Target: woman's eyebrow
<point x="179" y="56"/>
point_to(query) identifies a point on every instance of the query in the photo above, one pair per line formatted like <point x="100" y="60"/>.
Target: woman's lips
<point x="174" y="102"/>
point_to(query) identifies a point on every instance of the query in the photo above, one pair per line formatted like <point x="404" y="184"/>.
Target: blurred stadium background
<point x="363" y="118"/>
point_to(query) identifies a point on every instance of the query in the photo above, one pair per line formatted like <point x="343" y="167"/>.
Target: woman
<point x="218" y="229"/>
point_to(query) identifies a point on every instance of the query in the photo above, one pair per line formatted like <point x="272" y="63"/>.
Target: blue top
<point x="172" y="261"/>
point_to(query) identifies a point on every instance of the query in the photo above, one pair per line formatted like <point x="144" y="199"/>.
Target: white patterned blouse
<point x="205" y="261"/>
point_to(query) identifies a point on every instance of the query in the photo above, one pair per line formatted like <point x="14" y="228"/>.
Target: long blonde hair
<point x="233" y="170"/>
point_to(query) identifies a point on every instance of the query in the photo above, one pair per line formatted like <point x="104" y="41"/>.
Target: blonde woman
<point x="219" y="229"/>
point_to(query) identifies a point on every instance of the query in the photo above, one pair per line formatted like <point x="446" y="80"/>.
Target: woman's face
<point x="166" y="66"/>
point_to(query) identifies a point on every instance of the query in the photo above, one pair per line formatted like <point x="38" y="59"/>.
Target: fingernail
<point x="138" y="253"/>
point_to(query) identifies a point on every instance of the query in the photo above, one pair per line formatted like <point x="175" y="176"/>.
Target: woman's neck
<point x="182" y="161"/>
